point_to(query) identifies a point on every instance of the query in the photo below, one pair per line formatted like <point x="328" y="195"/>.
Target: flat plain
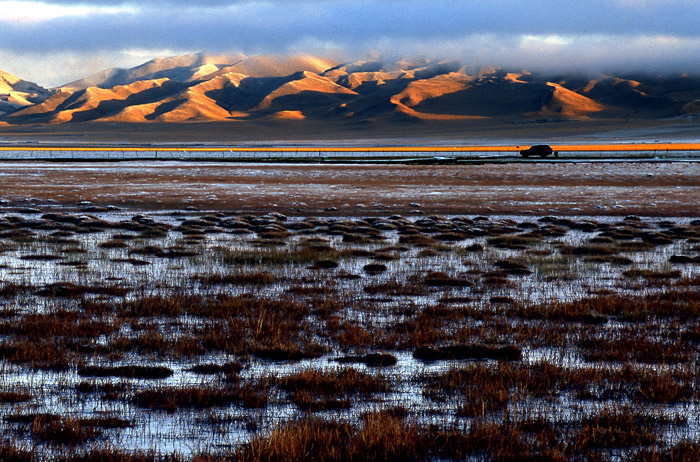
<point x="602" y="188"/>
<point x="218" y="311"/>
<point x="447" y="304"/>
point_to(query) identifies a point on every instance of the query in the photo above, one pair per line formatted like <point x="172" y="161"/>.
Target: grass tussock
<point x="334" y="382"/>
<point x="14" y="396"/>
<point x="507" y="353"/>
<point x="10" y="452"/>
<point x="170" y="399"/>
<point x="587" y="250"/>
<point x="71" y="290"/>
<point x="634" y="346"/>
<point x="131" y="372"/>
<point x="61" y="323"/>
<point x="378" y="438"/>
<point x="516" y="242"/>
<point x="386" y="437"/>
<point x="302" y="254"/>
<point x="63" y="431"/>
<point x="211" y="369"/>
<point x="238" y="278"/>
<point x="617" y="328"/>
<point x="653" y="274"/>
<point x="38" y="355"/>
<point x="618" y="428"/>
<point x="673" y="303"/>
<point x="441" y="279"/>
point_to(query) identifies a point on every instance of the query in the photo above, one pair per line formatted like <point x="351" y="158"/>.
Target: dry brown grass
<point x="44" y="355"/>
<point x="247" y="395"/>
<point x="631" y="336"/>
<point x="239" y="277"/>
<point x="379" y="437"/>
<point x="334" y="382"/>
<point x="134" y="372"/>
<point x="63" y="431"/>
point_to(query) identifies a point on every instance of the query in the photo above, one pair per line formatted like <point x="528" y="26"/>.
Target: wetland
<point x="225" y="335"/>
<point x="210" y="311"/>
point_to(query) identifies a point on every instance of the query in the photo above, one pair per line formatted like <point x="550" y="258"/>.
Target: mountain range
<point x="16" y="93"/>
<point x="202" y="87"/>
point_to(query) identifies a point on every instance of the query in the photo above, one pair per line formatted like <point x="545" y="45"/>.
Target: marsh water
<point x="91" y="287"/>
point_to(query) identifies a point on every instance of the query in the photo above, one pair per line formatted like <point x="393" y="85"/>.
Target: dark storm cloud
<point x="547" y="34"/>
<point x="274" y="24"/>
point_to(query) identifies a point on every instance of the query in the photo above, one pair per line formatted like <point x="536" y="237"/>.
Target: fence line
<point x="340" y="153"/>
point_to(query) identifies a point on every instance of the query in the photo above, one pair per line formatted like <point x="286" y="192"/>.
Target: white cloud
<point x="653" y="3"/>
<point x="145" y="54"/>
<point x="55" y="69"/>
<point x="70" y="39"/>
<point x="590" y="54"/>
<point x="34" y="12"/>
<point x="547" y="40"/>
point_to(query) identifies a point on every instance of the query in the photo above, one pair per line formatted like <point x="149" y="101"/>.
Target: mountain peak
<point x="16" y="93"/>
<point x="207" y="87"/>
<point x="7" y="79"/>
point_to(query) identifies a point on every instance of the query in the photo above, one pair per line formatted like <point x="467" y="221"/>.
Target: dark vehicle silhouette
<point x="542" y="150"/>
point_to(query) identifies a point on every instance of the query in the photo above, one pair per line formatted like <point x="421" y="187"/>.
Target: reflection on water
<point x="479" y="279"/>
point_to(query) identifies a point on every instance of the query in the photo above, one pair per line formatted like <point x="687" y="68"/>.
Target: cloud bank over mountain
<point x="548" y="35"/>
<point x="238" y="88"/>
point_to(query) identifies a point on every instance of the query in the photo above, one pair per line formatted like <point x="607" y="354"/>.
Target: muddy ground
<point x="649" y="189"/>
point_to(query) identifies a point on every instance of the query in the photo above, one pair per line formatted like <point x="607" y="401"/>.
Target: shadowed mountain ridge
<point x="16" y="93"/>
<point x="200" y="87"/>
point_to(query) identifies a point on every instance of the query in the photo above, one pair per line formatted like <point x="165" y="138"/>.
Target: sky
<point x="53" y="42"/>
